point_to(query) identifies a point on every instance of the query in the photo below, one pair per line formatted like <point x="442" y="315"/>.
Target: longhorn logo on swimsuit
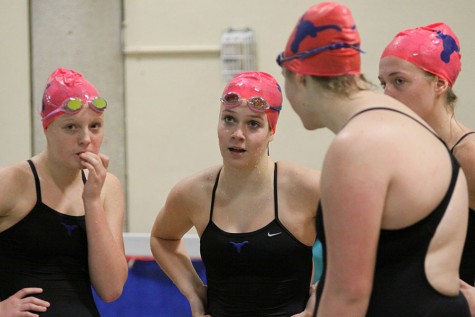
<point x="238" y="245"/>
<point x="69" y="228"/>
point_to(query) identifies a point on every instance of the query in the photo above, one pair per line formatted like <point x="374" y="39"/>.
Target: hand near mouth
<point x="97" y="165"/>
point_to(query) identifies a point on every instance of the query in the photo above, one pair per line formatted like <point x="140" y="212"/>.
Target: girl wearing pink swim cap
<point x="62" y="212"/>
<point x="393" y="207"/>
<point x="419" y="68"/>
<point x="255" y="217"/>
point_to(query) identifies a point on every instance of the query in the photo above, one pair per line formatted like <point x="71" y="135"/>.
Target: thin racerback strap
<point x="403" y="113"/>
<point x="460" y="140"/>
<point x="37" y="181"/>
<point x="276" y="207"/>
<point x="213" y="194"/>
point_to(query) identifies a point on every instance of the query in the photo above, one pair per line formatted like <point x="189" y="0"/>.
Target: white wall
<point x="172" y="77"/>
<point x="172" y="98"/>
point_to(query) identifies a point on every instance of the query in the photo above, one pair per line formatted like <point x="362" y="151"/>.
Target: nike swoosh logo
<point x="273" y="234"/>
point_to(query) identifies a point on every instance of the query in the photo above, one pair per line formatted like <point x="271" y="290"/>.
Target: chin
<point x="308" y="125"/>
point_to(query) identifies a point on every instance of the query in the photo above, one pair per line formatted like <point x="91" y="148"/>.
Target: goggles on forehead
<point x="257" y="104"/>
<point x="305" y="54"/>
<point x="73" y="105"/>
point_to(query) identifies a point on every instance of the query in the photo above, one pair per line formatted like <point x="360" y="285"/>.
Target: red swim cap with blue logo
<point x="434" y="48"/>
<point x="325" y="42"/>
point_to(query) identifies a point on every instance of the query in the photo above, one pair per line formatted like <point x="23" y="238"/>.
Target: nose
<point x="388" y="91"/>
<point x="238" y="133"/>
<point x="85" y="137"/>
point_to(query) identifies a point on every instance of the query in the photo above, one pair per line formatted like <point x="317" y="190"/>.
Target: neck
<point x="59" y="174"/>
<point x="445" y="124"/>
<point x="252" y="178"/>
<point x="337" y="110"/>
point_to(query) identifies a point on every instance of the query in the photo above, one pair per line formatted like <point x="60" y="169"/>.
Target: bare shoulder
<point x="186" y="205"/>
<point x="194" y="188"/>
<point x="465" y="154"/>
<point x="112" y="183"/>
<point x="299" y="178"/>
<point x="16" y="181"/>
<point x="15" y="176"/>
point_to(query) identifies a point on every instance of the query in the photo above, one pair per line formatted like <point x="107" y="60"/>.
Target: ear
<point x="441" y="86"/>
<point x="301" y="79"/>
<point x="271" y="137"/>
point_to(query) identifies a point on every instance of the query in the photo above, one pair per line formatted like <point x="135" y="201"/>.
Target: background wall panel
<point x="158" y="64"/>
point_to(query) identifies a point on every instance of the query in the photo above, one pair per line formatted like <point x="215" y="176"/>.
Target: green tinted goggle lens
<point x="74" y="104"/>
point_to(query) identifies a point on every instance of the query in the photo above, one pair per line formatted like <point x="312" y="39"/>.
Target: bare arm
<point x="104" y="205"/>
<point x="465" y="154"/>
<point x="14" y="196"/>
<point x="171" y="224"/>
<point x="353" y="195"/>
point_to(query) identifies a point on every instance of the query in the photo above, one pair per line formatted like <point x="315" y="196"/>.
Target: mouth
<point x="236" y="150"/>
<point x="78" y="154"/>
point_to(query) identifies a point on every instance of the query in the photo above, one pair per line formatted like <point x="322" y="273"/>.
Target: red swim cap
<point x="63" y="84"/>
<point x="325" y="42"/>
<point x="258" y="84"/>
<point x="435" y="48"/>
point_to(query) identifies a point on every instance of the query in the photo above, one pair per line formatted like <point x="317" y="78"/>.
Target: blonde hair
<point x="450" y="96"/>
<point x="344" y="85"/>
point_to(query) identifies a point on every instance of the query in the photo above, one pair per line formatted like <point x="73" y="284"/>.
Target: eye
<point x="70" y="127"/>
<point x="382" y="84"/>
<point x="96" y="125"/>
<point x="253" y="124"/>
<point x="398" y="82"/>
<point x="228" y="119"/>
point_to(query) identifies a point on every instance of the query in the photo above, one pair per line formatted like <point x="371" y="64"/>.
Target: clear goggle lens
<point x="256" y="104"/>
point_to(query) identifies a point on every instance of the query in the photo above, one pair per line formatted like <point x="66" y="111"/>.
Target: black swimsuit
<point x="266" y="272"/>
<point x="400" y="286"/>
<point x="467" y="264"/>
<point x="48" y="249"/>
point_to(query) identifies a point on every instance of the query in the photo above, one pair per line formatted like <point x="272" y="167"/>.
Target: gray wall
<point x="84" y="35"/>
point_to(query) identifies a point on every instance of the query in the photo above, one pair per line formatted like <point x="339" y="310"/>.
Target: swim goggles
<point x="73" y="105"/>
<point x="257" y="104"/>
<point x="302" y="55"/>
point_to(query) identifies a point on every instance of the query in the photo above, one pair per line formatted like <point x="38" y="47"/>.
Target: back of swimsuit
<point x="400" y="285"/>
<point x="467" y="264"/>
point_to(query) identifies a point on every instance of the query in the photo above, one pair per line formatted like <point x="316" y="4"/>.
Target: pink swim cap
<point x="325" y="42"/>
<point x="63" y="84"/>
<point x="435" y="48"/>
<point x="258" y="84"/>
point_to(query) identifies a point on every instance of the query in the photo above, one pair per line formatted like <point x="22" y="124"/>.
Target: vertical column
<point x="84" y="35"/>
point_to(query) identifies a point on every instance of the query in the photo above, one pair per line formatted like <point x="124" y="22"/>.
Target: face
<point x="243" y="134"/>
<point x="69" y="135"/>
<point x="408" y="83"/>
<point x="295" y="93"/>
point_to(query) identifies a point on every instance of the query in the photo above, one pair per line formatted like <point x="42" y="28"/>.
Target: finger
<point x="38" y="302"/>
<point x="90" y="158"/>
<point x="34" y="308"/>
<point x="105" y="160"/>
<point x="28" y="291"/>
